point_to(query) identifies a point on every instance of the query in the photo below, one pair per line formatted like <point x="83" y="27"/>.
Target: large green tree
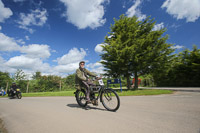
<point x="69" y="81"/>
<point x="20" y="78"/>
<point x="134" y="48"/>
<point x="4" y="79"/>
<point x="37" y="75"/>
<point x="20" y="75"/>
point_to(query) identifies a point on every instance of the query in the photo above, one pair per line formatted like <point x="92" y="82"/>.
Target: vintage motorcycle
<point x="14" y="93"/>
<point x="108" y="97"/>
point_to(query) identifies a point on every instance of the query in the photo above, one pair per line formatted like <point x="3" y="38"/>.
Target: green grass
<point x="123" y="93"/>
<point x="142" y="92"/>
<point x="46" y="94"/>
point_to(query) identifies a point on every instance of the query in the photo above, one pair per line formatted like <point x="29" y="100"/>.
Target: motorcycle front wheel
<point x="19" y="95"/>
<point x="110" y="100"/>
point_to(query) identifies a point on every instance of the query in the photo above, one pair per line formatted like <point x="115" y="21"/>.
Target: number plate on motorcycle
<point x="101" y="82"/>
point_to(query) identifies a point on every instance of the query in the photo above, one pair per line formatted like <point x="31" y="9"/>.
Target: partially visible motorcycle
<point x="108" y="96"/>
<point x="14" y="93"/>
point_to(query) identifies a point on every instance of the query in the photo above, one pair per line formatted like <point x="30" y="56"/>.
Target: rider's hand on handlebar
<point x="88" y="80"/>
<point x="98" y="78"/>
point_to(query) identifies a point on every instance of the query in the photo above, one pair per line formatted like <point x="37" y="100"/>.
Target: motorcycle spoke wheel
<point x="110" y="100"/>
<point x="19" y="96"/>
<point x="80" y="97"/>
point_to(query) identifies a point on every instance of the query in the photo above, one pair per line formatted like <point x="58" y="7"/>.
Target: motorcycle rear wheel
<point x="80" y="98"/>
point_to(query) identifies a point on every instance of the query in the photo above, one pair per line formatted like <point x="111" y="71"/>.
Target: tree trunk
<point x="6" y="87"/>
<point x="136" y="81"/>
<point x="27" y="87"/>
<point x="128" y="81"/>
<point x="60" y="85"/>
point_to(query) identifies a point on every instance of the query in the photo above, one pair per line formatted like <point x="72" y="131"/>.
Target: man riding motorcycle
<point x="13" y="89"/>
<point x="82" y="79"/>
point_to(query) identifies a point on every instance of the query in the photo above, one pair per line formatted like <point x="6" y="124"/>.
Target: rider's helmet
<point x="13" y="83"/>
<point x="81" y="62"/>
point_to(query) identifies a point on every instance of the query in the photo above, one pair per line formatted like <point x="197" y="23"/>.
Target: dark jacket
<point x="82" y="75"/>
<point x="14" y="87"/>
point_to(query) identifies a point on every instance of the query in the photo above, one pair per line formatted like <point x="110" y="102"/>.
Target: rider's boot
<point x="95" y="102"/>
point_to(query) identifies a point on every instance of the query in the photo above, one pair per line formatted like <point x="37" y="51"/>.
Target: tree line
<point x="38" y="83"/>
<point x="182" y="70"/>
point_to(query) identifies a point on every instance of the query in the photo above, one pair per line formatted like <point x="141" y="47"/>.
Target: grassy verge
<point x="46" y="94"/>
<point x="123" y="93"/>
<point x="142" y="92"/>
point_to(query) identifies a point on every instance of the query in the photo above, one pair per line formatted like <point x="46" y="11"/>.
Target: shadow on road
<point x="88" y="107"/>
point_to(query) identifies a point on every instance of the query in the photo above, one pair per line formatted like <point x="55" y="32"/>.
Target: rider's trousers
<point x="87" y="85"/>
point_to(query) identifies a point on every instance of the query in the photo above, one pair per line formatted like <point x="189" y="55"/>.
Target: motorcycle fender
<point x="78" y="91"/>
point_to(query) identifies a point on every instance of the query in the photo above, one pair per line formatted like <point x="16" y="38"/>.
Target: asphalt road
<point x="175" y="113"/>
<point x="187" y="89"/>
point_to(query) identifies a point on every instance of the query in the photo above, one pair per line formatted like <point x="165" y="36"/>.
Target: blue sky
<point x="52" y="36"/>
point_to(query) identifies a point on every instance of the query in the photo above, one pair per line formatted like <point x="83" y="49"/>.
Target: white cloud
<point x="32" y="50"/>
<point x="21" y="62"/>
<point x="31" y="60"/>
<point x="158" y="26"/>
<point x="99" y="70"/>
<point x="35" y="18"/>
<point x="93" y="65"/>
<point x="177" y="47"/>
<point x="0" y="27"/>
<point x="183" y="9"/>
<point x="54" y="51"/>
<point x="8" y="43"/>
<point x="70" y="62"/>
<point x="85" y="13"/>
<point x="74" y="55"/>
<point x="27" y="63"/>
<point x="5" y="13"/>
<point x="175" y="26"/>
<point x="96" y="67"/>
<point x="19" y="0"/>
<point x="124" y="4"/>
<point x="68" y="68"/>
<point x="36" y="51"/>
<point x="21" y="41"/>
<point x="27" y="38"/>
<point x="99" y="48"/>
<point x="4" y="68"/>
<point x="134" y="10"/>
<point x="1" y="60"/>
